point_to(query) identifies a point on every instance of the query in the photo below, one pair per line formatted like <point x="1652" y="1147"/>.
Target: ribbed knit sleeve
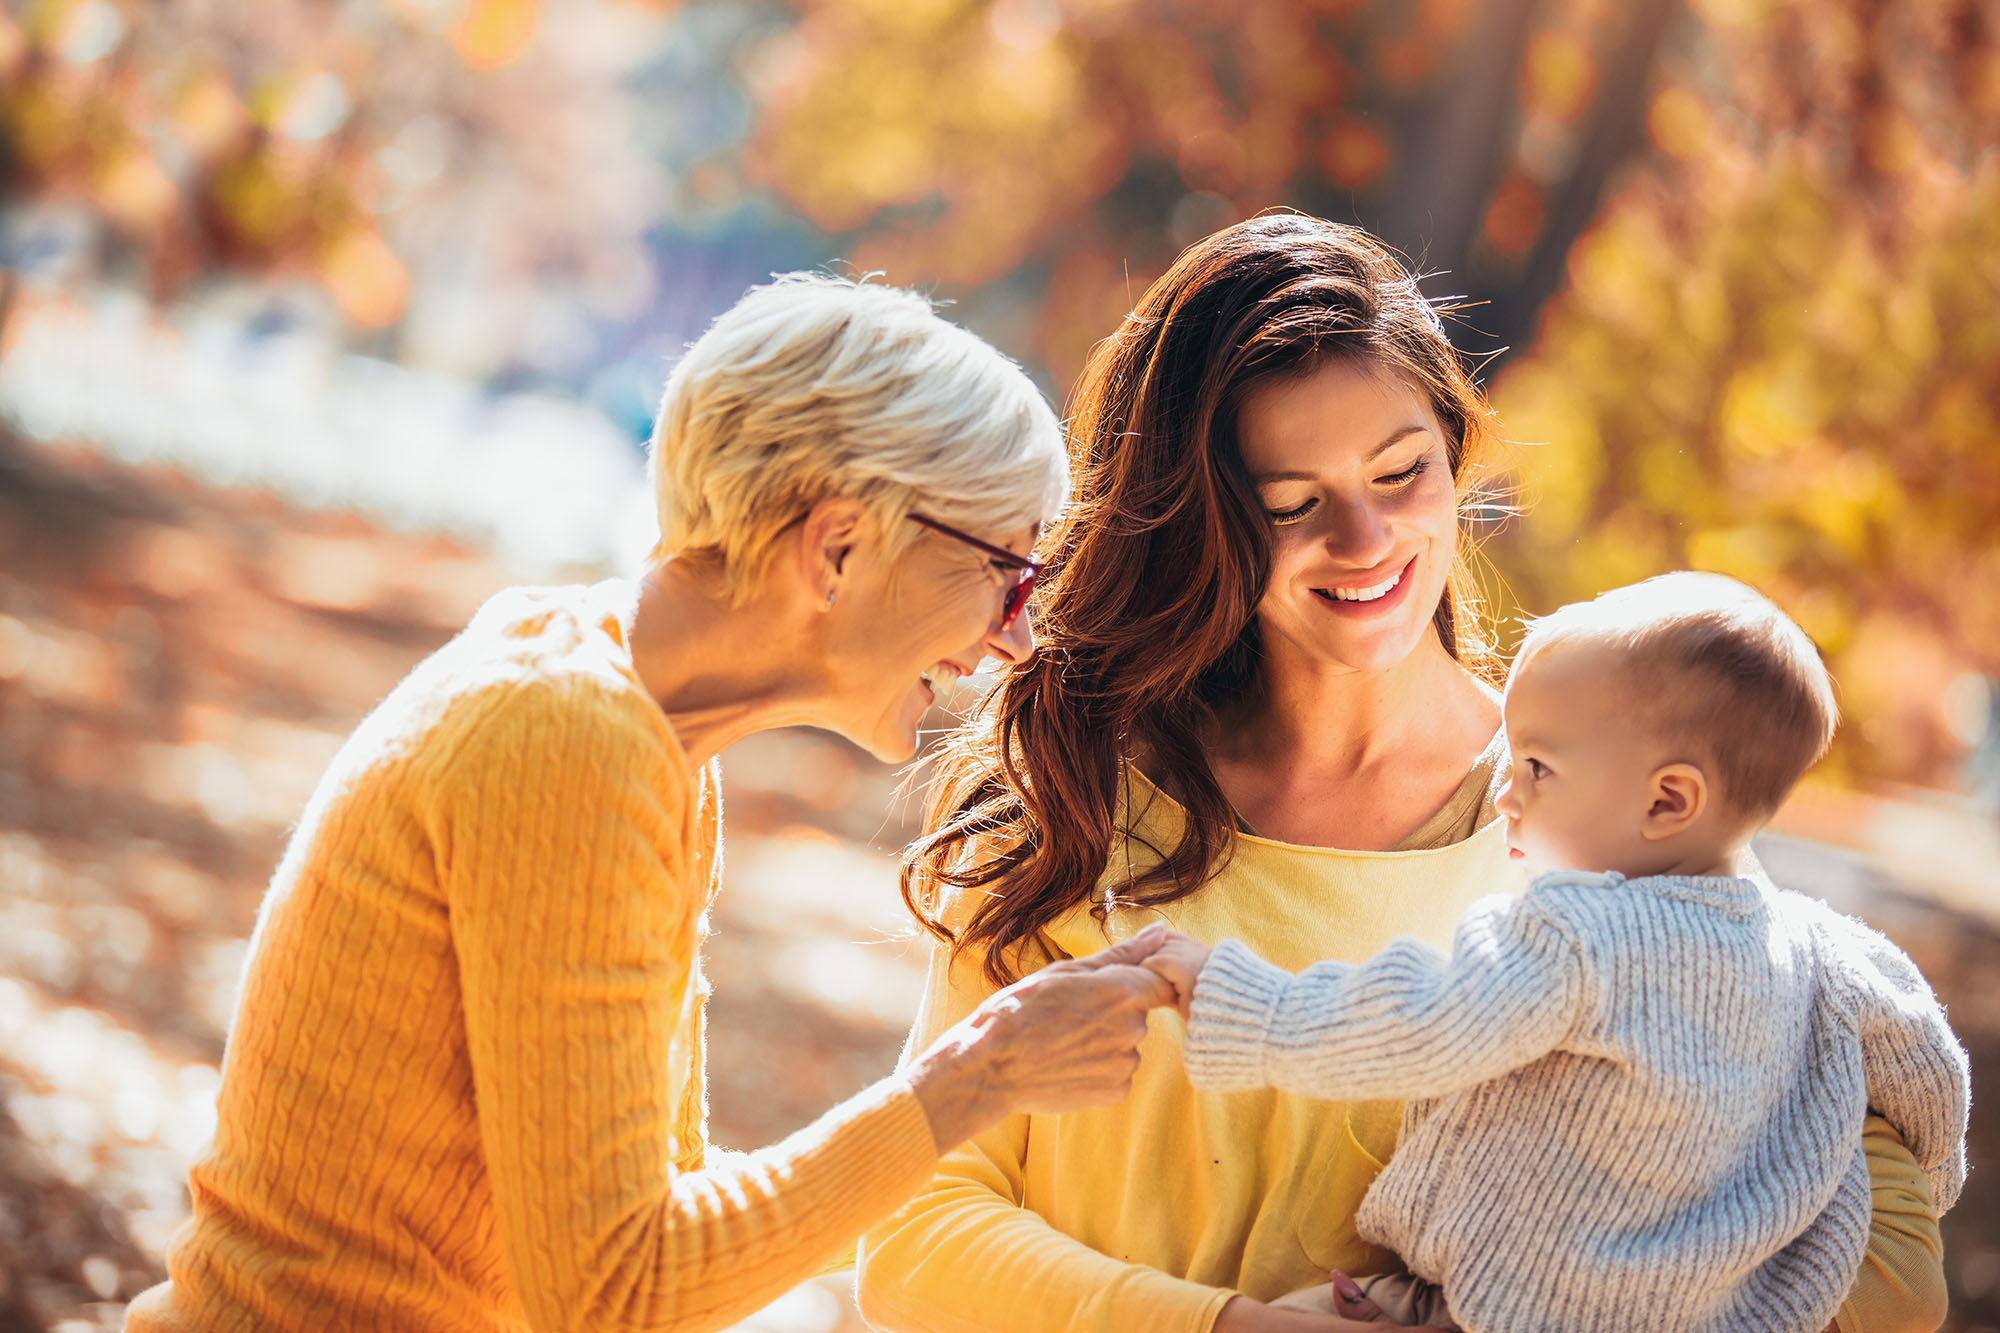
<point x="1919" y="1078"/>
<point x="1409" y="1022"/>
<point x="566" y="828"/>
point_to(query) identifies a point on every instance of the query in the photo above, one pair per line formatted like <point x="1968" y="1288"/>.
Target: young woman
<point x="1262" y="712"/>
<point x="464" y="1089"/>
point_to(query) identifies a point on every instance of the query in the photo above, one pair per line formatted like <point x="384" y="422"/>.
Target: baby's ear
<point x="1677" y="795"/>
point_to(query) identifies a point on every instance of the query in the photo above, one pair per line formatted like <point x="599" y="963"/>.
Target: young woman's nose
<point x="1358" y="533"/>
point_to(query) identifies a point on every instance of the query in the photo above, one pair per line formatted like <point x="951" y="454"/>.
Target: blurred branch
<point x="1615" y="136"/>
<point x="1455" y="142"/>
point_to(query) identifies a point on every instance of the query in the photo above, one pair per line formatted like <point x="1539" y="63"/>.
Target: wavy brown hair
<point x="1147" y="602"/>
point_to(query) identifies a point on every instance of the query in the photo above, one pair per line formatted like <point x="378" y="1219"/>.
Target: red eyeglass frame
<point x="1017" y="596"/>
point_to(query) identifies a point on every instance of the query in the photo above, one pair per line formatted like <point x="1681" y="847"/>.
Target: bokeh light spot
<point x="496" y="33"/>
<point x="1678" y="123"/>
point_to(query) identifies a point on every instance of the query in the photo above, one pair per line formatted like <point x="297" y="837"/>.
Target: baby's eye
<point x="1537" y="769"/>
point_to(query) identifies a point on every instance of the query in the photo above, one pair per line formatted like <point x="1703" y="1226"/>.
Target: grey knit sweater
<point x="1633" y="1104"/>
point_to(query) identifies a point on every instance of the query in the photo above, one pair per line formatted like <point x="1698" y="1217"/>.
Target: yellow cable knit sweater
<point x="465" y="1087"/>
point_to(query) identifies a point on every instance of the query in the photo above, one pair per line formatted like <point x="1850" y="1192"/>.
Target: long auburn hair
<point x="1147" y="601"/>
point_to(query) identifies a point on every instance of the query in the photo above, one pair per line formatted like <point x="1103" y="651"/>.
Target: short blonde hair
<point x="814" y="386"/>
<point x="1713" y="663"/>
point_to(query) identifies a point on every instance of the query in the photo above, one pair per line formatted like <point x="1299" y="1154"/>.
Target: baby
<point x="1635" y="1094"/>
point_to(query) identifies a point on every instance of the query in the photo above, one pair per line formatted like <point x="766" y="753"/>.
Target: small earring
<point x="829" y="599"/>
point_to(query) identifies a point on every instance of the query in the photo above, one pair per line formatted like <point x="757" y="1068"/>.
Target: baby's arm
<point x="1918" y="1076"/>
<point x="1409" y="1022"/>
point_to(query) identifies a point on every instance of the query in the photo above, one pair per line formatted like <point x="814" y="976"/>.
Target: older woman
<point x="465" y="1087"/>
<point x="1265" y="713"/>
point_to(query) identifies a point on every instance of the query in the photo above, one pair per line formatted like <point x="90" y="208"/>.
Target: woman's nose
<point x="1358" y="534"/>
<point x="1016" y="643"/>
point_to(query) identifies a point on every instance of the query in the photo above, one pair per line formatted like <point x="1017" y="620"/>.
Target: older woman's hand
<point x="1065" y="1038"/>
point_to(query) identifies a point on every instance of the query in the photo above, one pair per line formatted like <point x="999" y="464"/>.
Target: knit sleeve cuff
<point x="1234" y="999"/>
<point x="882" y="1139"/>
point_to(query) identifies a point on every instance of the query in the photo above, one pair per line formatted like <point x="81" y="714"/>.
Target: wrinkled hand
<point x="1062" y="1039"/>
<point x="1179" y="961"/>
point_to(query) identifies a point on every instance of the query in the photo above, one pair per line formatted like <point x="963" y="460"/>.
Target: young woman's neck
<point x="1321" y="716"/>
<point x="718" y="669"/>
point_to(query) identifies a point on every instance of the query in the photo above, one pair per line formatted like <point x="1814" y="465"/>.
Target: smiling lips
<point x="939" y="678"/>
<point x="1358" y="597"/>
<point x="1365" y="594"/>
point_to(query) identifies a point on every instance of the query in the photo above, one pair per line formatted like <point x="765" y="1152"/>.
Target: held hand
<point x="1179" y="961"/>
<point x="1062" y="1039"/>
<point x="1330" y="1306"/>
<point x="1243" y="1315"/>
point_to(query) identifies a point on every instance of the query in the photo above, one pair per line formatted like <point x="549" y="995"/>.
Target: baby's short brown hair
<point x="1714" y="664"/>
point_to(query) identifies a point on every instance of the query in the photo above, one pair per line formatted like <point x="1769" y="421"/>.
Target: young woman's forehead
<point x="1342" y="411"/>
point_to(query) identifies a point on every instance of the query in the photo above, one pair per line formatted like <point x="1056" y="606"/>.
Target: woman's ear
<point x="1677" y="795"/>
<point x="828" y="534"/>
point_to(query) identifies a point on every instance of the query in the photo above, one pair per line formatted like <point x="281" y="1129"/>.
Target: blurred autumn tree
<point x="385" y="151"/>
<point x="1778" y="355"/>
<point x="1769" y="230"/>
<point x="1073" y="146"/>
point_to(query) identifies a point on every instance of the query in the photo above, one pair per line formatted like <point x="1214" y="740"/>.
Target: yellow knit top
<point x="465" y="1089"/>
<point x="1152" y="1213"/>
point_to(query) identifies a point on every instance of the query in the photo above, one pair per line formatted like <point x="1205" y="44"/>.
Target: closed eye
<point x="1296" y="513"/>
<point x="1408" y="474"/>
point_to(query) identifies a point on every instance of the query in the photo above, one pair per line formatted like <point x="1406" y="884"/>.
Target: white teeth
<point x="939" y="678"/>
<point x="1367" y="594"/>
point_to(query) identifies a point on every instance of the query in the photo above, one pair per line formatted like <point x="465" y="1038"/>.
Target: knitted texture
<point x="464" y="1089"/>
<point x="1639" y="1103"/>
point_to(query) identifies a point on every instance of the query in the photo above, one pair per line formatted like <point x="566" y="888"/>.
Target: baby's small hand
<point x="1180" y="960"/>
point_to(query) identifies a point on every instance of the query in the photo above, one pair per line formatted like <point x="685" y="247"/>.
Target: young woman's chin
<point x="1365" y="647"/>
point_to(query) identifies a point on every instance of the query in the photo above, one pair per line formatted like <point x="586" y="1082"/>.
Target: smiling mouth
<point x="940" y="678"/>
<point x="1372" y="592"/>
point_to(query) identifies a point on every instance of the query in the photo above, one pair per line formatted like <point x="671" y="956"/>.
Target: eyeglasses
<point x="1017" y="596"/>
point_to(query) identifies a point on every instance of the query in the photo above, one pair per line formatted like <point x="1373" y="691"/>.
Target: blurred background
<point x="321" y="321"/>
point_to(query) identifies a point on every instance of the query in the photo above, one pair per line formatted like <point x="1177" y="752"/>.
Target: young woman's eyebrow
<point x="1396" y="437"/>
